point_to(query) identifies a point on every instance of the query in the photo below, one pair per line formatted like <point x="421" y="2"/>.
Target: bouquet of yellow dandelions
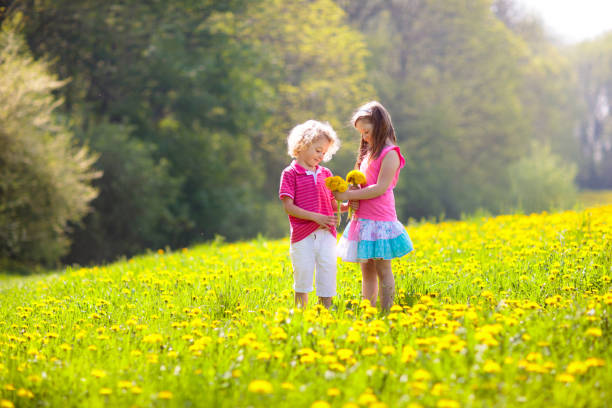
<point x="337" y="183"/>
<point x="355" y="178"/>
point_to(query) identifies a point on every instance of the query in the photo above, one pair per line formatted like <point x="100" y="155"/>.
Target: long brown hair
<point x="382" y="129"/>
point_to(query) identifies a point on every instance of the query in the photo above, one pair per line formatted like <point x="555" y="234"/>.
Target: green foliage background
<point x="185" y="106"/>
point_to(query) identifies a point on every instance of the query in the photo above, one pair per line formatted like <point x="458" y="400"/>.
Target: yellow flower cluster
<point x="355" y="177"/>
<point x="336" y="183"/>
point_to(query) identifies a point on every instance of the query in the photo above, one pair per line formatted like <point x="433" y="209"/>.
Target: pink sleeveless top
<point x="381" y="208"/>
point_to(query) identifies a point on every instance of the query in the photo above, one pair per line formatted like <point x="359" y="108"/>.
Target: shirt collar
<point x="302" y="170"/>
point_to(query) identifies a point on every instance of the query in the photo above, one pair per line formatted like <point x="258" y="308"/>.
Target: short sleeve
<point x="287" y="185"/>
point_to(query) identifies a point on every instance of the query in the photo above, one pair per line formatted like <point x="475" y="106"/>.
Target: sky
<point x="573" y="20"/>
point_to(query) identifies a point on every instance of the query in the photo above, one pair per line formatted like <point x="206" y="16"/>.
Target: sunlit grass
<point x="592" y="198"/>
<point x="504" y="311"/>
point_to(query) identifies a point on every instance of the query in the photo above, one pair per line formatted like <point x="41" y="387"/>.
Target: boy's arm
<point x="324" y="221"/>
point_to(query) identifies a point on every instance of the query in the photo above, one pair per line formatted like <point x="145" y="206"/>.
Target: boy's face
<point x="312" y="155"/>
<point x="365" y="128"/>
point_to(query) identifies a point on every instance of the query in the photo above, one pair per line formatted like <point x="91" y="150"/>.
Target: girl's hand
<point x="354" y="205"/>
<point x="325" y="221"/>
<point x="340" y="196"/>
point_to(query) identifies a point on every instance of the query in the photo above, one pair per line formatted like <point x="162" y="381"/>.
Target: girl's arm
<point x="324" y="221"/>
<point x="345" y="206"/>
<point x="388" y="168"/>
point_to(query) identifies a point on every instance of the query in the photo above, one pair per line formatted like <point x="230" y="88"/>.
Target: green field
<point x="593" y="198"/>
<point x="492" y="312"/>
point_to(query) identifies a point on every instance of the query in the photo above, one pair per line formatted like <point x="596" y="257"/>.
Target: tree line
<point x="132" y="126"/>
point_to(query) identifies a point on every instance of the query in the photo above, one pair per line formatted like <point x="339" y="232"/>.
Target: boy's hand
<point x="325" y="221"/>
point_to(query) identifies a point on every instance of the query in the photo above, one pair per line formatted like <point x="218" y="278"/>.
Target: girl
<point x="310" y="206"/>
<point x="374" y="236"/>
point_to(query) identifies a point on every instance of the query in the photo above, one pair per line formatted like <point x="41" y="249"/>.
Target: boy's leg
<point x="369" y="281"/>
<point x="303" y="263"/>
<point x="386" y="282"/>
<point x="326" y="266"/>
<point x="301" y="299"/>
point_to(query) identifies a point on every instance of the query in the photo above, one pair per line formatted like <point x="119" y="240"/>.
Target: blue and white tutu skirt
<point x="365" y="239"/>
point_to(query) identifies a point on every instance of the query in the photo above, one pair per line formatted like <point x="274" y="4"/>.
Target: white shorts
<point x="317" y="250"/>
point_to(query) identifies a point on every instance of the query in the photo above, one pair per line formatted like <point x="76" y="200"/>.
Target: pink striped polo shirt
<point x="381" y="208"/>
<point x="308" y="191"/>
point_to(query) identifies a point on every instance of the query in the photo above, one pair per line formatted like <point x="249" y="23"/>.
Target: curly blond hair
<point x="304" y="134"/>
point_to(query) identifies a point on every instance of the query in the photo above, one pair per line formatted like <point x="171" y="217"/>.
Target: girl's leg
<point x="325" y="301"/>
<point x="386" y="283"/>
<point x="369" y="283"/>
<point x="301" y="299"/>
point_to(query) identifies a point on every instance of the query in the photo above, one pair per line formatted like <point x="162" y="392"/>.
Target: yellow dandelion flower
<point x="388" y="350"/>
<point x="350" y="405"/>
<point x="98" y="373"/>
<point x="123" y="384"/>
<point x="565" y="378"/>
<point x="287" y="386"/>
<point x="491" y="367"/>
<point x="333" y="392"/>
<point x="408" y="354"/>
<point x="105" y="391"/>
<point x="165" y="395"/>
<point x="320" y="404"/>
<point x="421" y="375"/>
<point x="263" y="356"/>
<point x="355" y="177"/>
<point x="152" y="338"/>
<point x="367" y="398"/>
<point x="369" y="351"/>
<point x="594" y="332"/>
<point x="345" y="354"/>
<point x="136" y="390"/>
<point x="595" y="362"/>
<point x="438" y="389"/>
<point x="446" y="403"/>
<point x="6" y="404"/>
<point x="576" y="367"/>
<point x="260" y="387"/>
<point x="23" y="393"/>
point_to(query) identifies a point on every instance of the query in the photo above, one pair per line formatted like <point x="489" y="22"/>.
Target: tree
<point x="313" y="67"/>
<point x="593" y="62"/>
<point x="448" y="72"/>
<point x="45" y="179"/>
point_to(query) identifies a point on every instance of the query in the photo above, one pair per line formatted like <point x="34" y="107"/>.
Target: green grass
<point x="592" y="198"/>
<point x="491" y="312"/>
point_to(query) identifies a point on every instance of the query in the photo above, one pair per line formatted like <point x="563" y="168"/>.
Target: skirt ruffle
<point x="365" y="239"/>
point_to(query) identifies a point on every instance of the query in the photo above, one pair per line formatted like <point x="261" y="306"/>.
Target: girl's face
<point x="365" y="128"/>
<point x="312" y="155"/>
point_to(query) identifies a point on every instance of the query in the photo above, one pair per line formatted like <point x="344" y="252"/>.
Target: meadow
<point x="490" y="312"/>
